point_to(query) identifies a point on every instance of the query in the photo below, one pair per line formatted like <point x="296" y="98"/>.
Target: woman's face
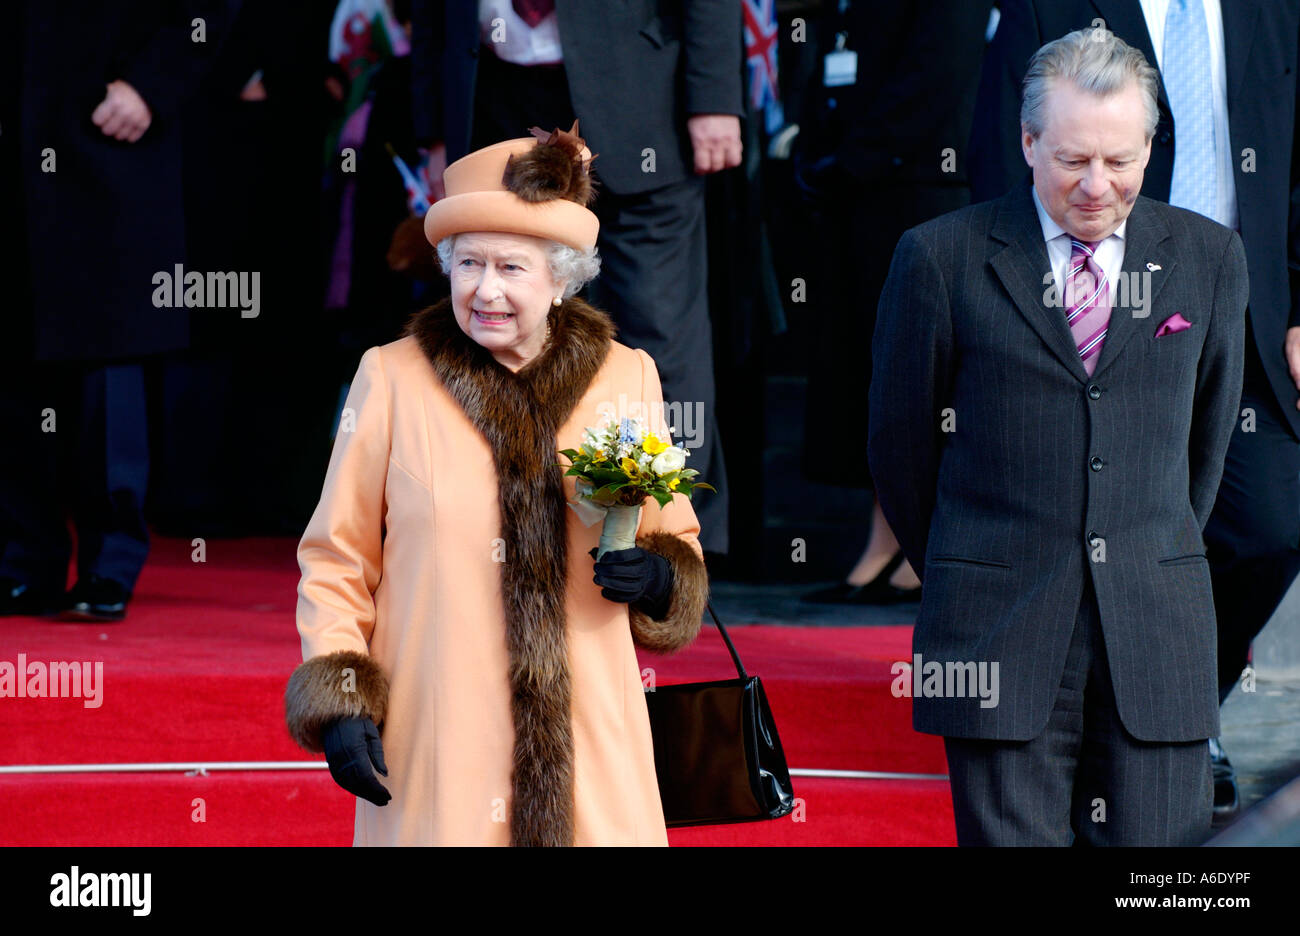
<point x="501" y="292"/>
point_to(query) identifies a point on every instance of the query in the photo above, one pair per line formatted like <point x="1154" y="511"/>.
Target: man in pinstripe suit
<point x="1056" y="382"/>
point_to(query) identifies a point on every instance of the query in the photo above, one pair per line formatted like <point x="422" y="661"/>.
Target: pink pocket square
<point x="1175" y="323"/>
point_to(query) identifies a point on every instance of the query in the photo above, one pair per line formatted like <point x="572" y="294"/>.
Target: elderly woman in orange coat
<point x="469" y="669"/>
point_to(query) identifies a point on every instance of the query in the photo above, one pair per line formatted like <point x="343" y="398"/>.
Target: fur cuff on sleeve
<point x="320" y="691"/>
<point x="689" y="596"/>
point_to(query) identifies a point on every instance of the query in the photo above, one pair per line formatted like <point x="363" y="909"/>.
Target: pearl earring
<point x="556" y="301"/>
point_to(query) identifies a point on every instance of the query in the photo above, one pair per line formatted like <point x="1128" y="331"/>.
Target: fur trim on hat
<point x="690" y="596"/>
<point x="552" y="169"/>
<point x="320" y="691"/>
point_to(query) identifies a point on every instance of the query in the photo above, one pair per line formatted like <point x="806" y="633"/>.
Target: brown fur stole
<point x="519" y="414"/>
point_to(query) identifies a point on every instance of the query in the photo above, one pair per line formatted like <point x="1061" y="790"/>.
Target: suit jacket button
<point x="1095" y="463"/>
<point x="1165" y="137"/>
<point x="1094" y="392"/>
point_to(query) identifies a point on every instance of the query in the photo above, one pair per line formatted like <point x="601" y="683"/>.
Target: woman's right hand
<point x="351" y="746"/>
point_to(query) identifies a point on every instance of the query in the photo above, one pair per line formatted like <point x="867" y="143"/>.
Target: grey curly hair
<point x="576" y="267"/>
<point x="1093" y="60"/>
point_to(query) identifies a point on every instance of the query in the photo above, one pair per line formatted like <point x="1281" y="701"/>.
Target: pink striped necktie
<point x="1087" y="302"/>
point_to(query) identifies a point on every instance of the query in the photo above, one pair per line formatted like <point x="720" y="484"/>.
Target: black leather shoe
<point x="1227" y="800"/>
<point x="17" y="598"/>
<point x="99" y="599"/>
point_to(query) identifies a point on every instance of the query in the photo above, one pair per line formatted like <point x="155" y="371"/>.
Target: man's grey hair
<point x="576" y="267"/>
<point x="1093" y="60"/>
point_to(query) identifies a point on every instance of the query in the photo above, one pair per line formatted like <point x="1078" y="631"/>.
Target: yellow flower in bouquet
<point x="652" y="444"/>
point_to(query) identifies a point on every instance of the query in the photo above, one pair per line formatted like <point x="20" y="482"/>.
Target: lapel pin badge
<point x="1152" y="267"/>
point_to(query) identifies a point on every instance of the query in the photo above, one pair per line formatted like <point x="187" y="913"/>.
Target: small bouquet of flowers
<point x="618" y="465"/>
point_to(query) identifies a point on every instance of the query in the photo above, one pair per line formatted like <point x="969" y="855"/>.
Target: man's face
<point x="1089" y="160"/>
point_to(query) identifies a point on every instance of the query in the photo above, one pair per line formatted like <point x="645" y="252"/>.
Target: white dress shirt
<point x="1109" y="254"/>
<point x="1155" y="12"/>
<point x="523" y="44"/>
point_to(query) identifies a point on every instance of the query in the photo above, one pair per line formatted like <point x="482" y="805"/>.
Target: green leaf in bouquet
<point x="602" y="476"/>
<point x="663" y="497"/>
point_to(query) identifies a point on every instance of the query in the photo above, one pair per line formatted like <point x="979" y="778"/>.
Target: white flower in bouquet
<point x="670" y="459"/>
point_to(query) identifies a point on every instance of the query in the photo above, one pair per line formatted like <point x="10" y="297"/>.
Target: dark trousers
<point x="80" y="441"/>
<point x="653" y="278"/>
<point x="1254" y="531"/>
<point x="1084" y="780"/>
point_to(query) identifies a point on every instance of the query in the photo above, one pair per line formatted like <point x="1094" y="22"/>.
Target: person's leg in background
<point x="653" y="281"/>
<point x="1251" y="540"/>
<point x="39" y="421"/>
<point x="869" y="223"/>
<point x="108" y="506"/>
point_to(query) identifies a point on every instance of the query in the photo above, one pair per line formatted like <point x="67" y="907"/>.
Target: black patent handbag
<point x="718" y="756"/>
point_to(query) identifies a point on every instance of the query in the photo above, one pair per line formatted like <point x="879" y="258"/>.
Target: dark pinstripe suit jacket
<point x="1003" y="515"/>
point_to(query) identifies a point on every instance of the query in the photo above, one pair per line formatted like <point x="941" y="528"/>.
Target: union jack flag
<point x="760" y="52"/>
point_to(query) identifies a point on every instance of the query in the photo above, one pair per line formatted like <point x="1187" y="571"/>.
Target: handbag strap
<point x="731" y="648"/>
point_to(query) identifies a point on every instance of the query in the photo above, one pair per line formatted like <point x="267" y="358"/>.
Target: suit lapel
<point x="1023" y="264"/>
<point x="1238" y="31"/>
<point x="1148" y="262"/>
<point x="1023" y="267"/>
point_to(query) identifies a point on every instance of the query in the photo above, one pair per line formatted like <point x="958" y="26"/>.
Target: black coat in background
<point x="244" y="416"/>
<point x="882" y="170"/>
<point x="636" y="70"/>
<point x="97" y="229"/>
<point x="1261" y="42"/>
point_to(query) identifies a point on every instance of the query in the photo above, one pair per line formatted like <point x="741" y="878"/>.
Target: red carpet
<point x="197" y="673"/>
<point x="292" y="807"/>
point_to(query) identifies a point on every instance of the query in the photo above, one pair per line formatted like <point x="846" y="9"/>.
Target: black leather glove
<point x="641" y="579"/>
<point x="351" y="745"/>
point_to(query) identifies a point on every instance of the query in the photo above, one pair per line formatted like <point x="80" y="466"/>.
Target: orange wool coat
<point x="501" y="723"/>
